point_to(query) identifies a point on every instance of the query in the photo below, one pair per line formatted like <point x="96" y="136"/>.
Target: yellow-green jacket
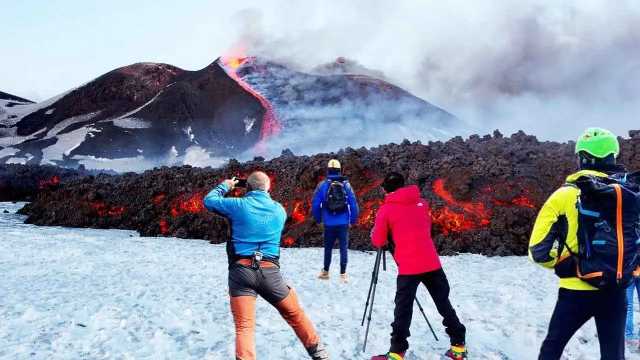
<point x="559" y="217"/>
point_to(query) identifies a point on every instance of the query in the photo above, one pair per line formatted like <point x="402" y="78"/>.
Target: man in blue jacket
<point x="334" y="205"/>
<point x="254" y="250"/>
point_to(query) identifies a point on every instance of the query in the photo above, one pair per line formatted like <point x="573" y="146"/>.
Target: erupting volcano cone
<point x="270" y="125"/>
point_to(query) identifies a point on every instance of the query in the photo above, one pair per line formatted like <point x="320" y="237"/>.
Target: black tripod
<point x="381" y="257"/>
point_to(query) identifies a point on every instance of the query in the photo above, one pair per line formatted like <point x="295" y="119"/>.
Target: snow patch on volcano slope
<point x="15" y="113"/>
<point x="11" y="138"/>
<point x="57" y="128"/>
<point x="65" y="145"/>
<point x="131" y="123"/>
<point x="20" y="159"/>
<point x="8" y="151"/>
<point x="133" y="112"/>
<point x="88" y="294"/>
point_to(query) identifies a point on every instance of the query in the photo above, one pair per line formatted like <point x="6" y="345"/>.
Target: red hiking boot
<point x="389" y="356"/>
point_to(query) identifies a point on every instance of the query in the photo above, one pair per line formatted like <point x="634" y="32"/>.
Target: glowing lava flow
<point x="53" y="181"/>
<point x="288" y="241"/>
<point x="270" y="125"/>
<point x="188" y="204"/>
<point x="370" y="207"/>
<point x="103" y="209"/>
<point x="298" y="213"/>
<point x="468" y="215"/>
<point x="368" y="212"/>
<point x="474" y="215"/>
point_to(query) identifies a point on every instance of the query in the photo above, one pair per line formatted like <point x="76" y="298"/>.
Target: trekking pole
<point x="373" y="275"/>
<point x="373" y="297"/>
<point x="425" y="317"/>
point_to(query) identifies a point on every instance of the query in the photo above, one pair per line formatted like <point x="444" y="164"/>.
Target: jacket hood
<point x="407" y="194"/>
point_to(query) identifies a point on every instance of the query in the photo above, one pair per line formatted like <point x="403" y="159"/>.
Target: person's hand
<point x="231" y="183"/>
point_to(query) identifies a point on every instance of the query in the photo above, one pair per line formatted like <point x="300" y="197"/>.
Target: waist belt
<point x="252" y="259"/>
<point x="249" y="262"/>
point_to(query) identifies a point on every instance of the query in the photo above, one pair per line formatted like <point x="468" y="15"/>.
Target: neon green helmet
<point x="598" y="143"/>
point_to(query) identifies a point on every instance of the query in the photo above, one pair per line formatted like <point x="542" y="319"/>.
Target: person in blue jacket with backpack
<point x="335" y="206"/>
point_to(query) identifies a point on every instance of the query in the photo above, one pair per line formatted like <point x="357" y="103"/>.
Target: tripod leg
<point x="373" y="297"/>
<point x="384" y="260"/>
<point x="425" y="317"/>
<point x="373" y="275"/>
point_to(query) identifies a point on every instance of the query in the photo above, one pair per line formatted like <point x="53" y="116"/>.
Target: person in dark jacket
<point x="257" y="222"/>
<point x="403" y="224"/>
<point x="335" y="206"/>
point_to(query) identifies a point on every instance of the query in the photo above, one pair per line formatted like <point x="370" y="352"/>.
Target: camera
<point x="242" y="183"/>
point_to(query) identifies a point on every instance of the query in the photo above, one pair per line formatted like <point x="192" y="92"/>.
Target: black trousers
<point x="438" y="287"/>
<point x="574" y="308"/>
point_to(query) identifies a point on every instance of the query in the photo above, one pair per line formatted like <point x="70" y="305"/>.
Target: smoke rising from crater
<point x="550" y="68"/>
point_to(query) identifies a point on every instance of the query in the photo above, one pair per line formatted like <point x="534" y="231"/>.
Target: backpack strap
<point x="562" y="241"/>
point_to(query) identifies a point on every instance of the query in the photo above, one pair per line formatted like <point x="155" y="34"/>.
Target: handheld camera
<point x="242" y="183"/>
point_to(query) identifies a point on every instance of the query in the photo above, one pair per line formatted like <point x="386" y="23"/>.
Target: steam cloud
<point x="549" y="68"/>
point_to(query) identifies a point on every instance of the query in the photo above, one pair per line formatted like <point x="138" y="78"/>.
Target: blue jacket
<point x="256" y="220"/>
<point x="322" y="215"/>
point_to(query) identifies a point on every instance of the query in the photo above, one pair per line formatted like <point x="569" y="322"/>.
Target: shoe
<point x="344" y="278"/>
<point x="324" y="275"/>
<point x="457" y="352"/>
<point x="389" y="356"/>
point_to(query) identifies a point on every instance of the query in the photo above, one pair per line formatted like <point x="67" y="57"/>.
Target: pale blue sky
<point x="537" y="65"/>
<point x="50" y="46"/>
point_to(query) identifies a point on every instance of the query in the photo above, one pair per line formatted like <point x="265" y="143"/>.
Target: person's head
<point x="597" y="149"/>
<point x="392" y="182"/>
<point x="334" y="167"/>
<point x="259" y="181"/>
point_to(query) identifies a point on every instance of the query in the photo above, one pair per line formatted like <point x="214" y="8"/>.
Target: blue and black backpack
<point x="608" y="230"/>
<point x="336" y="197"/>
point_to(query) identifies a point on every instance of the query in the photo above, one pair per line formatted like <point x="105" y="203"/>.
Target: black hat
<point x="392" y="182"/>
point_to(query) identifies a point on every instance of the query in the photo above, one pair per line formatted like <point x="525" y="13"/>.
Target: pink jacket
<point x="405" y="219"/>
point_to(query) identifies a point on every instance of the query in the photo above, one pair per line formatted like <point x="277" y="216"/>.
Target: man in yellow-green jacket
<point x="553" y="241"/>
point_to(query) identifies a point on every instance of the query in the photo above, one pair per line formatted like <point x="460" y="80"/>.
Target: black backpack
<point x="336" y="198"/>
<point x="608" y="231"/>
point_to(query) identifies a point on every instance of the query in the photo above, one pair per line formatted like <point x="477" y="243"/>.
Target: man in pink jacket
<point x="403" y="225"/>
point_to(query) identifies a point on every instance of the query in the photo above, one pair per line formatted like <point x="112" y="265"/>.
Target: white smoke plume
<point x="550" y="68"/>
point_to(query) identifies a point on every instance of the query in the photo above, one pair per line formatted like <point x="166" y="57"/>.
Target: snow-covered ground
<point x="105" y="294"/>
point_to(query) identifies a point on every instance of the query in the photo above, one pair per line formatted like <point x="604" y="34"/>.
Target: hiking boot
<point x="389" y="356"/>
<point x="318" y="352"/>
<point x="324" y="275"/>
<point x="457" y="352"/>
<point x="344" y="278"/>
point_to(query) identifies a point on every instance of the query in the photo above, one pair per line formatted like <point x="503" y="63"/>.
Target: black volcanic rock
<point x="484" y="192"/>
<point x="205" y="102"/>
<point x="22" y="183"/>
<point x="112" y="94"/>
